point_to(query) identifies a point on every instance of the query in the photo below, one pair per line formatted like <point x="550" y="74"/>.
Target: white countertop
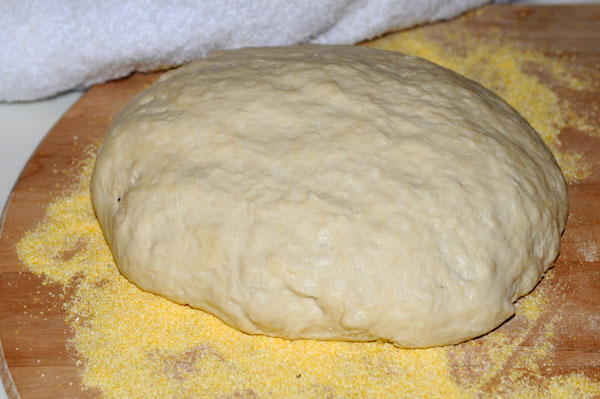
<point x="22" y="127"/>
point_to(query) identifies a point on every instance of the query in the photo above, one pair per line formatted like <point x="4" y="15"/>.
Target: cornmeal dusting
<point x="133" y="344"/>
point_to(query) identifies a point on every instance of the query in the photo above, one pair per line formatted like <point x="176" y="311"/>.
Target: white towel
<point x="50" y="46"/>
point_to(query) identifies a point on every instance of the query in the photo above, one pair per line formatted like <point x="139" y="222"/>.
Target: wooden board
<point x="37" y="361"/>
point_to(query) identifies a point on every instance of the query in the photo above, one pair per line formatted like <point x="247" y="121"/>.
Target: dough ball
<point x="330" y="192"/>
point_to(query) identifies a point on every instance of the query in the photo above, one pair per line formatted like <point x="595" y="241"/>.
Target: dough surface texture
<point x="330" y="192"/>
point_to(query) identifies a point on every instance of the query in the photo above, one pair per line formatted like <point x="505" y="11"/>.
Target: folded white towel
<point x="49" y="46"/>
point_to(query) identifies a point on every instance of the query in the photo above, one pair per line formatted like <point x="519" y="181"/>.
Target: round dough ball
<point x="330" y="192"/>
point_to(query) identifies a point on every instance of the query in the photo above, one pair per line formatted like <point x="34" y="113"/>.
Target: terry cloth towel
<point x="50" y="46"/>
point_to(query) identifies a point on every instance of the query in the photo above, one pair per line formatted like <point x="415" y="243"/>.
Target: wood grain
<point x="37" y="361"/>
<point x="33" y="331"/>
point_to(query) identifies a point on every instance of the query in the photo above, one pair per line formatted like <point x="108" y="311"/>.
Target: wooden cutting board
<point x="37" y="361"/>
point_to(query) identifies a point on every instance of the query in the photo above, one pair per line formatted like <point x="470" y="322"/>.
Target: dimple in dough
<point x="330" y="192"/>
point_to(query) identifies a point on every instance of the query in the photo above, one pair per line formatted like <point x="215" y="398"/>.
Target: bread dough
<point x="330" y="192"/>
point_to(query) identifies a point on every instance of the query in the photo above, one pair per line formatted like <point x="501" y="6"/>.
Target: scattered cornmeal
<point x="133" y="344"/>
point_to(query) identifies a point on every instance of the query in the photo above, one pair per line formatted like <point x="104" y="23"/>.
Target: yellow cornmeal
<point x="134" y="344"/>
